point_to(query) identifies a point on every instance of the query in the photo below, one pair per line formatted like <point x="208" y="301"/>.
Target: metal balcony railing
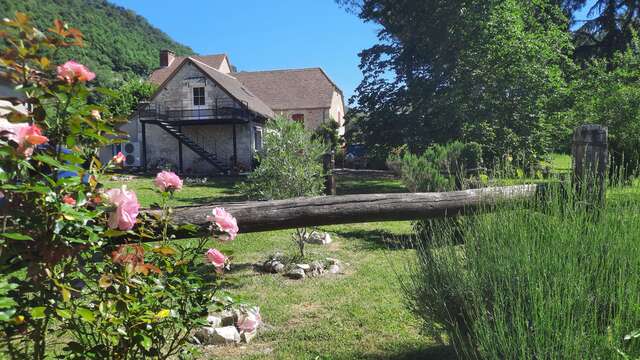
<point x="219" y="110"/>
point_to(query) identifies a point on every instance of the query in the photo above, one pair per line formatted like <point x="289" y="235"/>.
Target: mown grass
<point x="359" y="314"/>
<point x="356" y="315"/>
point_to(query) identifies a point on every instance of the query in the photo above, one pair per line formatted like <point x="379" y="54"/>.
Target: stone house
<point x="207" y="118"/>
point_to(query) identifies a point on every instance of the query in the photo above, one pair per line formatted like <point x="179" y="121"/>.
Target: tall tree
<point x="484" y="70"/>
<point x="609" y="29"/>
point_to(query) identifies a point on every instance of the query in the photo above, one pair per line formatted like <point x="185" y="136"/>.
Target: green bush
<point x="289" y="166"/>
<point x="533" y="281"/>
<point x="439" y="168"/>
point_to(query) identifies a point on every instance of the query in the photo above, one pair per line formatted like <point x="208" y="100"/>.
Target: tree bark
<point x="255" y="216"/>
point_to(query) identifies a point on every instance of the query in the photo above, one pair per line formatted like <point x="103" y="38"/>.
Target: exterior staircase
<point x="185" y="140"/>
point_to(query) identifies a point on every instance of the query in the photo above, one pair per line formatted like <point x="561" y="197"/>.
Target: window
<point x="198" y="96"/>
<point x="257" y="133"/>
<point x="298" y="117"/>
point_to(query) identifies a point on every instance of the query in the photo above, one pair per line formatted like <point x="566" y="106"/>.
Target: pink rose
<point x="69" y="200"/>
<point x="168" y="181"/>
<point x="249" y="319"/>
<point x="23" y="134"/>
<point x="225" y="223"/>
<point x="119" y="158"/>
<point x="127" y="206"/>
<point x="216" y="258"/>
<point x="72" y="71"/>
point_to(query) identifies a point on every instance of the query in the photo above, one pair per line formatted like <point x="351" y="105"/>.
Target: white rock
<point x="304" y="267"/>
<point x="334" y="269"/>
<point x="209" y="335"/>
<point x="319" y="238"/>
<point x="327" y="239"/>
<point x="277" y="267"/>
<point x="296" y="274"/>
<point x="225" y="335"/>
<point x="247" y="336"/>
<point x="214" y="321"/>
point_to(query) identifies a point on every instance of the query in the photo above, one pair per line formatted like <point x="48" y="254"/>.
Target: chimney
<point x="166" y="57"/>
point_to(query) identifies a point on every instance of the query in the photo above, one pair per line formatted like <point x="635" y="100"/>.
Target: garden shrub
<point x="535" y="280"/>
<point x="439" y="168"/>
<point x="290" y="166"/>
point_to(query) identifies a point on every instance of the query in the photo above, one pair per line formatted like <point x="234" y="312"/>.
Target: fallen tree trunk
<point x="255" y="216"/>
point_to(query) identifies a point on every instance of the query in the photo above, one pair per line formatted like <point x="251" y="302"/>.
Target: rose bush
<point x="72" y="269"/>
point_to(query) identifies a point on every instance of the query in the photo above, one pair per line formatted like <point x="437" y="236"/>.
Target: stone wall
<point x="216" y="139"/>
<point x="178" y="93"/>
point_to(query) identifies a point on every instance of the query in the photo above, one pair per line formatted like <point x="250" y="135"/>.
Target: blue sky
<point x="267" y="34"/>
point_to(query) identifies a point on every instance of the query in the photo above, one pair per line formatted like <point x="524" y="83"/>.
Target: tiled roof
<point x="159" y="75"/>
<point x="290" y="89"/>
<point x="236" y="89"/>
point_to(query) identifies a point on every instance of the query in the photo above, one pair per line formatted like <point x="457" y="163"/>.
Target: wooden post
<point x="144" y="145"/>
<point x="329" y="163"/>
<point x="590" y="159"/>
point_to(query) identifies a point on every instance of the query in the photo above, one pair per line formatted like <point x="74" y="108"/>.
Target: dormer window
<point x="198" y="96"/>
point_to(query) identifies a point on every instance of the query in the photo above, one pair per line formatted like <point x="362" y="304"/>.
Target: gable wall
<point x="178" y="93"/>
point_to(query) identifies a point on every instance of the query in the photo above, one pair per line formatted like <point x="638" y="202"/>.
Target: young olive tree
<point x="289" y="166"/>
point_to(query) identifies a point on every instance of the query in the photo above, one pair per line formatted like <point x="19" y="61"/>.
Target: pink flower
<point x="24" y="135"/>
<point x="119" y="158"/>
<point x="72" y="71"/>
<point x="69" y="200"/>
<point x="168" y="181"/>
<point x="249" y="319"/>
<point x="127" y="207"/>
<point x="216" y="258"/>
<point x="225" y="223"/>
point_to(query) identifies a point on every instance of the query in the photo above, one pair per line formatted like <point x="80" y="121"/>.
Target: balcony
<point x="220" y="112"/>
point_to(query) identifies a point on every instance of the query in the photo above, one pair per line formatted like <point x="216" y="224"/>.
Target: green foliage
<point x="128" y="312"/>
<point x="60" y="296"/>
<point x="122" y="102"/>
<point x="327" y="132"/>
<point x="608" y="29"/>
<point x="120" y="44"/>
<point x="493" y="75"/>
<point x="533" y="280"/>
<point x="608" y="93"/>
<point x="440" y="167"/>
<point x="290" y="164"/>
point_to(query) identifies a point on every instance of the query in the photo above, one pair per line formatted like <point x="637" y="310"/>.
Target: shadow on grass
<point x="433" y="352"/>
<point x="377" y="239"/>
<point x="356" y="186"/>
<point x="206" y="200"/>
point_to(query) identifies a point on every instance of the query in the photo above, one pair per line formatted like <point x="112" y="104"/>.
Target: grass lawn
<point x="359" y="314"/>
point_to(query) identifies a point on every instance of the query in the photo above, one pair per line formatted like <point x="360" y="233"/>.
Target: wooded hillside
<point x="119" y="43"/>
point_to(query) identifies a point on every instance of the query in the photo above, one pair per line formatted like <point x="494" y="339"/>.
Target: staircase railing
<point x="188" y="142"/>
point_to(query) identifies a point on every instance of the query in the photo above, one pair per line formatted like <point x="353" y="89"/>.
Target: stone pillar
<point x="590" y="155"/>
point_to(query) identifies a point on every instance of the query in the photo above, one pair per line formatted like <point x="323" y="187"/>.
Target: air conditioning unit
<point x="131" y="151"/>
